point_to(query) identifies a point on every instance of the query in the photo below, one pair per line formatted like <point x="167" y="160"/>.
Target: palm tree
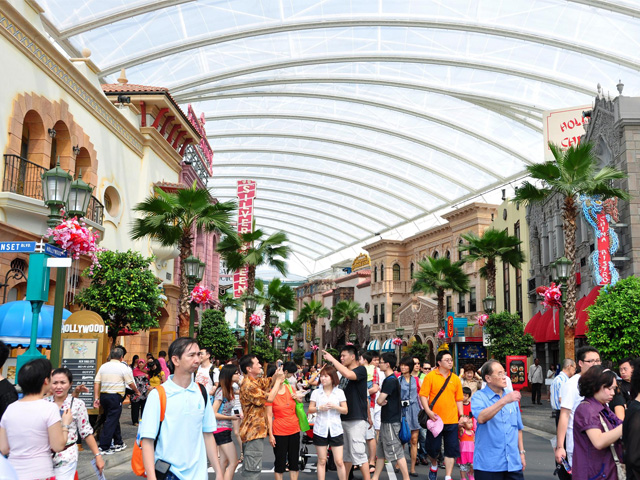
<point x="437" y="275"/>
<point x="345" y="312"/>
<point x="290" y="329"/>
<point x="229" y="301"/>
<point x="251" y="250"/>
<point x="492" y="245"/>
<point x="171" y="219"/>
<point x="311" y="312"/>
<point x="573" y="172"/>
<point x="274" y="297"/>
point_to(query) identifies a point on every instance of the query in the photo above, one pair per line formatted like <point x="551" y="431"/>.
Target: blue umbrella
<point x="15" y="324"/>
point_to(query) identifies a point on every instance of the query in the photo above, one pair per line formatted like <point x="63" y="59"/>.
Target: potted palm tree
<point x="573" y="172"/>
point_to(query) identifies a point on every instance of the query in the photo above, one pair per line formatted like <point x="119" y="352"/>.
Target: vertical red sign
<point x="450" y="326"/>
<point x="246" y="195"/>
<point x="603" y="249"/>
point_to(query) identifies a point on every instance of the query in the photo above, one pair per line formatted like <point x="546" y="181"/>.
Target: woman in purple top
<point x="592" y="455"/>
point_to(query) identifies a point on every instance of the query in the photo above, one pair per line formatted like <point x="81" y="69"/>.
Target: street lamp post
<point x="561" y="270"/>
<point x="273" y="322"/>
<point x="194" y="271"/>
<point x="60" y="191"/>
<point x="399" y="334"/>
<point x="489" y="304"/>
<point x="250" y="306"/>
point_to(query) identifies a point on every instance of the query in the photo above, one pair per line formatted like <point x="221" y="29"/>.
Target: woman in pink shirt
<point x="32" y="427"/>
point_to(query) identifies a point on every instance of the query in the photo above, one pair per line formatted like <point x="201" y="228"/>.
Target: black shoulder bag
<point x="422" y="415"/>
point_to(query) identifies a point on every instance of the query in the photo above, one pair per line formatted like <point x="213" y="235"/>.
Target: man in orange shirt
<point x="447" y="406"/>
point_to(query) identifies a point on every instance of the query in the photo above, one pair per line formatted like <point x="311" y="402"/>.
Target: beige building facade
<point x="393" y="263"/>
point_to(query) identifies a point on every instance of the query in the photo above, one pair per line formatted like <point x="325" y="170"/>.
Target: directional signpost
<point x="40" y="261"/>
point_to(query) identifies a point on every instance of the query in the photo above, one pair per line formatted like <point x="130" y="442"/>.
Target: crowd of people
<point x="364" y="409"/>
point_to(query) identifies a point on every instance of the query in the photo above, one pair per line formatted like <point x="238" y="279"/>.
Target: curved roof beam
<point x="121" y="14"/>
<point x="359" y="146"/>
<point x="294" y="234"/>
<point x="362" y="101"/>
<point x="324" y="187"/>
<point x="370" y="103"/>
<point x="233" y="116"/>
<point x="311" y="170"/>
<point x="298" y="228"/>
<point x="288" y="26"/>
<point x="205" y="93"/>
<point x="317" y="198"/>
<point x="303" y="246"/>
<point x="614" y="7"/>
<point x="258" y="209"/>
<point x="299" y="153"/>
<point x="422" y="59"/>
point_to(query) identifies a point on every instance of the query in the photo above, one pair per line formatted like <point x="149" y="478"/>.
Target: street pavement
<point x="540" y="464"/>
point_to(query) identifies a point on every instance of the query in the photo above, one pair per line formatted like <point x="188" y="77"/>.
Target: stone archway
<point x="39" y="114"/>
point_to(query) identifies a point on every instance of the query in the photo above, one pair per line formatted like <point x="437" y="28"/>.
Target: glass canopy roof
<point x="362" y="117"/>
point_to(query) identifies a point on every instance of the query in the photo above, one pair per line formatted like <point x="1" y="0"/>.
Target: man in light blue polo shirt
<point x="186" y="435"/>
<point x="499" y="434"/>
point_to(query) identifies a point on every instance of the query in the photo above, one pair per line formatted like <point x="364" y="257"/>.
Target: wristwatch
<point x="522" y="452"/>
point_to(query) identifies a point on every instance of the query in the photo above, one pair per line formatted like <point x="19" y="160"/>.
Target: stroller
<point x="307" y="439"/>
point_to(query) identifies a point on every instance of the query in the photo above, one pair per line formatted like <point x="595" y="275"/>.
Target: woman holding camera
<point x="409" y="388"/>
<point x="226" y="412"/>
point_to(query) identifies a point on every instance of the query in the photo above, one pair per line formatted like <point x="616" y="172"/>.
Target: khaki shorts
<point x="389" y="445"/>
<point x="355" y="445"/>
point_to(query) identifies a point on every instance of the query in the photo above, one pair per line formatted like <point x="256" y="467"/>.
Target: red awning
<point x="532" y="325"/>
<point x="126" y="332"/>
<point x="549" y="326"/>
<point x="583" y="316"/>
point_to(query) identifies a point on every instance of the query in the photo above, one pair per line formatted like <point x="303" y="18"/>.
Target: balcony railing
<point x="95" y="211"/>
<point x="25" y="178"/>
<point x="22" y="177"/>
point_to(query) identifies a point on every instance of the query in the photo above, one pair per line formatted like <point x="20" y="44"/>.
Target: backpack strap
<point x="204" y="393"/>
<point x="163" y="408"/>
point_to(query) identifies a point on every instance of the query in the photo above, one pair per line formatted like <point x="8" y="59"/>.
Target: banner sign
<point x="246" y="195"/>
<point x="517" y="371"/>
<point x="562" y="127"/>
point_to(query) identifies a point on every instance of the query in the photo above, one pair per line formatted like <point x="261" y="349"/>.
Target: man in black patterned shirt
<point x="8" y="392"/>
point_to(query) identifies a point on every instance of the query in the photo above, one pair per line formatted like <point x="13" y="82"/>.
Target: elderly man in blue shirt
<point x="499" y="434"/>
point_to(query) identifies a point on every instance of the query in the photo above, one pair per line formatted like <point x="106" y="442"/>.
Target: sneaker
<point x="106" y="452"/>
<point x="433" y="475"/>
<point x="119" y="448"/>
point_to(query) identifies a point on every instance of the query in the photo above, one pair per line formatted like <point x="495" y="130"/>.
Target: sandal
<point x="372" y="469"/>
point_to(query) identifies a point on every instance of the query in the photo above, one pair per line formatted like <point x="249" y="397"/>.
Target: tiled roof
<point x="130" y="87"/>
<point x="169" y="186"/>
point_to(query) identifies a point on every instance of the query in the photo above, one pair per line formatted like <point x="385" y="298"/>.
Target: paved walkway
<point x="537" y="419"/>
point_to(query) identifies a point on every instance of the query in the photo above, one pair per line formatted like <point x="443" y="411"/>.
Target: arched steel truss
<point x="373" y="21"/>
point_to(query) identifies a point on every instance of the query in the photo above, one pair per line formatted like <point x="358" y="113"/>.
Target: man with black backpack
<point x="441" y="397"/>
<point x="178" y="447"/>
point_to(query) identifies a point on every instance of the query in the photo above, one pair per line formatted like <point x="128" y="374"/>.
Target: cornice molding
<point x="161" y="147"/>
<point x="26" y="38"/>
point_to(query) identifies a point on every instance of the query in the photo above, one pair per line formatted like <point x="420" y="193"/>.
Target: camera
<point x="404" y="403"/>
<point x="236" y="411"/>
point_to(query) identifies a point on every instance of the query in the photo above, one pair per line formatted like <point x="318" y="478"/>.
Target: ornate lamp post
<point x="399" y="334"/>
<point x="59" y="191"/>
<point x="194" y="270"/>
<point x="560" y="272"/>
<point x="353" y="337"/>
<point x="273" y="320"/>
<point x="489" y="304"/>
<point x="250" y="306"/>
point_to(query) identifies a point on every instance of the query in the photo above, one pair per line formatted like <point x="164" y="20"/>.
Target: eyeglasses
<point x="597" y="361"/>
<point x="500" y="374"/>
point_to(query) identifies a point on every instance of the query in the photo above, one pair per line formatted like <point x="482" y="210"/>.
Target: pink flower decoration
<point x="551" y="296"/>
<point x="270" y="338"/>
<point x="314" y="347"/>
<point x="441" y="334"/>
<point x="277" y="332"/>
<point x="77" y="239"/>
<point x="397" y="341"/>
<point x="349" y="343"/>
<point x="288" y="350"/>
<point x="482" y="319"/>
<point x="255" y="320"/>
<point x="201" y="295"/>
